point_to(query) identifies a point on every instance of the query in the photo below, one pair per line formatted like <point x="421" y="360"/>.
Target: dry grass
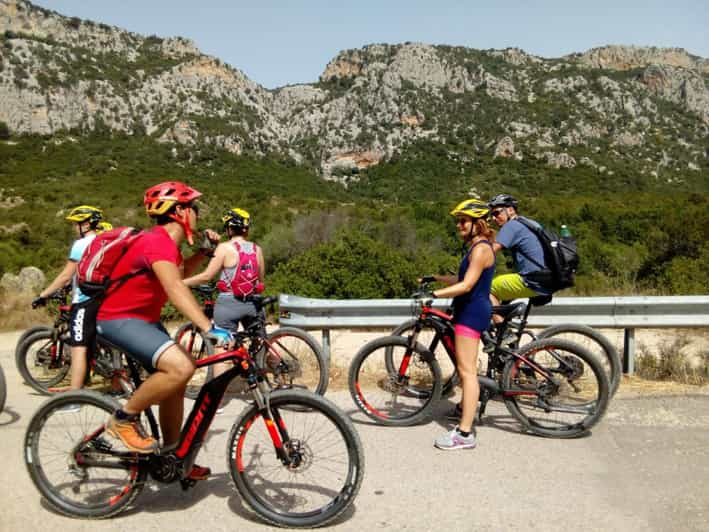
<point x="670" y="361"/>
<point x="17" y="313"/>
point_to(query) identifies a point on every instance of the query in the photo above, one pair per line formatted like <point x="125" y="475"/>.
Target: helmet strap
<point x="184" y="222"/>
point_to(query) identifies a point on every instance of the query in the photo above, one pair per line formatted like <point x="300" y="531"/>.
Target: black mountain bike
<point x="293" y="456"/>
<point x="516" y="332"/>
<point x="43" y="357"/>
<point x="60" y="302"/>
<point x="290" y="357"/>
<point x="552" y="386"/>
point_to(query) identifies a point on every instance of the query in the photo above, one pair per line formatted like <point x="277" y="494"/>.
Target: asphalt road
<point x="645" y="467"/>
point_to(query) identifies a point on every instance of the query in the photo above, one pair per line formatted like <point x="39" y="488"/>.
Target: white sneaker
<point x="455" y="440"/>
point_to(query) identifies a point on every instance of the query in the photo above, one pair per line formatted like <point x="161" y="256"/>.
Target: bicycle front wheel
<point x="401" y="397"/>
<point x="75" y="465"/>
<point x="191" y="340"/>
<point x="31" y="330"/>
<point x="556" y="389"/>
<point x="431" y="340"/>
<point x="292" y="357"/>
<point x="596" y="343"/>
<point x="43" y="360"/>
<point x="320" y="472"/>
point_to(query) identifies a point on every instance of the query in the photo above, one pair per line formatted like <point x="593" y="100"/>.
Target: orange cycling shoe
<point x="131" y="433"/>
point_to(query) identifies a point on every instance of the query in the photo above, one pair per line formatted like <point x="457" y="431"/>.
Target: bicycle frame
<point x="181" y="456"/>
<point x="441" y="322"/>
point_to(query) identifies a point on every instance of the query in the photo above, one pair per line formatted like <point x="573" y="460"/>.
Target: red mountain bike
<point x="290" y="357"/>
<point x="294" y="457"/>
<point x="552" y="386"/>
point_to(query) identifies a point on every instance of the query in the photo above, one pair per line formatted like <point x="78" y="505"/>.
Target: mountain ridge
<point x="646" y="107"/>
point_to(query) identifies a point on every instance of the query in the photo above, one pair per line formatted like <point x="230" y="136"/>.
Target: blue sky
<point x="277" y="43"/>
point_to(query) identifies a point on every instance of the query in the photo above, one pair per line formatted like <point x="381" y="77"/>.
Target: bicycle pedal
<point x="187" y="483"/>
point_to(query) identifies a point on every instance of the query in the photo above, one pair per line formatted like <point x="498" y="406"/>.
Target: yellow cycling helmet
<point x="471" y="207"/>
<point x="237" y="219"/>
<point x="103" y="226"/>
<point x="85" y="213"/>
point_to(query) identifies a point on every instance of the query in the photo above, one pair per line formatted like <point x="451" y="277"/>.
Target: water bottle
<point x="564" y="231"/>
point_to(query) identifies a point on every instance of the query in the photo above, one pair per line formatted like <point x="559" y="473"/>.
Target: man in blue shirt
<point x="526" y="250"/>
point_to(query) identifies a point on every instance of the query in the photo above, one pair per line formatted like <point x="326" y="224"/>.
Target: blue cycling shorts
<point x="142" y="340"/>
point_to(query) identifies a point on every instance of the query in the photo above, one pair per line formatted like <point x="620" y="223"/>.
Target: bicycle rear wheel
<point x="558" y="389"/>
<point x="325" y="460"/>
<point x="397" y="397"/>
<point x="80" y="470"/>
<point x="596" y="343"/>
<point x="189" y="337"/>
<point x="43" y="360"/>
<point x="292" y="357"/>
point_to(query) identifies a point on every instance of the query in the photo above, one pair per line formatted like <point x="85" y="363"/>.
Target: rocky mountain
<point x="609" y="106"/>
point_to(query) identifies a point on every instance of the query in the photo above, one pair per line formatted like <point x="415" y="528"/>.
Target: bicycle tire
<point x="584" y="385"/>
<point x="79" y="433"/>
<point x="33" y="360"/>
<point x="403" y="402"/>
<point x="3" y="389"/>
<point x="327" y="429"/>
<point x="595" y="342"/>
<point x="449" y="372"/>
<point x="307" y="365"/>
<point x="190" y="338"/>
<point x="31" y="330"/>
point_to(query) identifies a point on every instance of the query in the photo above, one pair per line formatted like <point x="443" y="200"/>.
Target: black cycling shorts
<point x="82" y="323"/>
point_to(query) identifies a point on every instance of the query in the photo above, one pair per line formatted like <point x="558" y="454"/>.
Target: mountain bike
<point x="43" y="358"/>
<point x="516" y="331"/>
<point x="289" y="356"/>
<point x="552" y="386"/>
<point x="60" y="297"/>
<point x="293" y="456"/>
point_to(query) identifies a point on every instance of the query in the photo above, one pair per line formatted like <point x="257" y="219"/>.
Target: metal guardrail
<point x="628" y="313"/>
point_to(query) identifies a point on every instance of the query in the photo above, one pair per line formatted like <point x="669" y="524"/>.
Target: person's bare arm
<point x="481" y="258"/>
<point x="212" y="269"/>
<point x="261" y="264"/>
<point x="62" y="279"/>
<point x="496" y="247"/>
<point x="193" y="263"/>
<point x="446" y="279"/>
<point x="179" y="294"/>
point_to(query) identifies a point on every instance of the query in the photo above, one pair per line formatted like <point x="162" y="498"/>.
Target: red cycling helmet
<point x="159" y="199"/>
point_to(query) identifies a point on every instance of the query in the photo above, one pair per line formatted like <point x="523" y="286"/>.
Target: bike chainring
<point x="165" y="468"/>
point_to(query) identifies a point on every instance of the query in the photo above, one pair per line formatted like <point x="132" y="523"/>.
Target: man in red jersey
<point x="130" y="316"/>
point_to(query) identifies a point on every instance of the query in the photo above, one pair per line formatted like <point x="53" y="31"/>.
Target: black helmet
<point x="503" y="200"/>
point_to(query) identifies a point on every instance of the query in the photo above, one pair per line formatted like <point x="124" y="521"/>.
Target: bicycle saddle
<point x="538" y="301"/>
<point x="510" y="310"/>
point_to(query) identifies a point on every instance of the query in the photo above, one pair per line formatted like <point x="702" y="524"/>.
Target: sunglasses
<point x="497" y="212"/>
<point x="195" y="208"/>
<point x="461" y="221"/>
